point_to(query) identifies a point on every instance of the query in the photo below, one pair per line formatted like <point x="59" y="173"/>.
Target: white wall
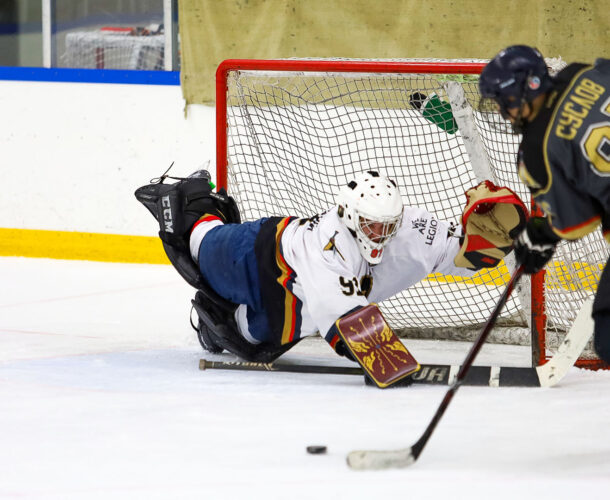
<point x="72" y="154"/>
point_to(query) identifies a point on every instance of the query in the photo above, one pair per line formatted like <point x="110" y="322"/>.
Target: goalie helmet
<point x="371" y="208"/>
<point x="515" y="76"/>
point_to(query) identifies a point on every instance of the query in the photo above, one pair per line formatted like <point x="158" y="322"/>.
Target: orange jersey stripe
<point x="579" y="230"/>
<point x="290" y="301"/>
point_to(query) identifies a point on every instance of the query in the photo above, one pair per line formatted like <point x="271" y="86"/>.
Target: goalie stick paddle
<point x="379" y="459"/>
<point x="433" y="374"/>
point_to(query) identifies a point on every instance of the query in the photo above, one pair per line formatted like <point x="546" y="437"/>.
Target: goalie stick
<point x="547" y="375"/>
<point x="433" y="374"/>
<point x="377" y="459"/>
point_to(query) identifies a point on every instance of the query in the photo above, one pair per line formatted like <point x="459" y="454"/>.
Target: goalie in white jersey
<point x="266" y="284"/>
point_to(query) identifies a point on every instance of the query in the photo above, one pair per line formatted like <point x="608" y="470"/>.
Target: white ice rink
<point x="101" y="397"/>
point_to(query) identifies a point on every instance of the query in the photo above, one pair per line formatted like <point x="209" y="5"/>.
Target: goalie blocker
<point x="492" y="219"/>
<point x="372" y="343"/>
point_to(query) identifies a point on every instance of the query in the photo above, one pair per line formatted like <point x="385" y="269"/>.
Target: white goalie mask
<point x="371" y="207"/>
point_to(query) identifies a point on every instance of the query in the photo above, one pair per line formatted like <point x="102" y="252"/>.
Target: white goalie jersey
<point x="423" y="245"/>
<point x="326" y="276"/>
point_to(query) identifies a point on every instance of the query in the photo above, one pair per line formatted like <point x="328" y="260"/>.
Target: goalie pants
<point x="601" y="315"/>
<point x="228" y="263"/>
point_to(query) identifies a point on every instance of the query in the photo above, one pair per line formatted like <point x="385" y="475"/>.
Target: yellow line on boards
<point x="497" y="276"/>
<point x="149" y="250"/>
<point x="579" y="276"/>
<point x="81" y="246"/>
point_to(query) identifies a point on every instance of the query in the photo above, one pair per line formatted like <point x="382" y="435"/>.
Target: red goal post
<point x="256" y="96"/>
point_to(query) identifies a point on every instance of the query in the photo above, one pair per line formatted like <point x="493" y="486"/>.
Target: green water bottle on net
<point x="435" y="111"/>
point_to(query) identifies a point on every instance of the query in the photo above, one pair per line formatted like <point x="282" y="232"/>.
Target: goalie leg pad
<point x="213" y="312"/>
<point x="177" y="207"/>
<point x="375" y="346"/>
<point x="215" y="321"/>
<point x="492" y="219"/>
<point x="217" y="330"/>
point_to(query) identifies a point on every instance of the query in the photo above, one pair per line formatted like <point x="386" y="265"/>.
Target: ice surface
<point x="101" y="397"/>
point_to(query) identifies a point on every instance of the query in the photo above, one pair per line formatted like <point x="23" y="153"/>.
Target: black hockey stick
<point x="204" y="364"/>
<point x="373" y="459"/>
<point x="434" y="374"/>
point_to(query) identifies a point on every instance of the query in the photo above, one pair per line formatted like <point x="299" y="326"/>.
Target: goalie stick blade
<point x="377" y="460"/>
<point x="492" y="376"/>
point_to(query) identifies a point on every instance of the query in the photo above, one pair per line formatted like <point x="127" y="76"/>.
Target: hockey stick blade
<point x="377" y="460"/>
<point x="374" y="459"/>
<point x="396" y="459"/>
<point x="570" y="349"/>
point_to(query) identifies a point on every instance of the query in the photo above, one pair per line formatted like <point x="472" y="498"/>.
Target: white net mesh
<point x="295" y="138"/>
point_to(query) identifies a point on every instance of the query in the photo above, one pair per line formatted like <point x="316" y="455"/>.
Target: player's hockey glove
<point x="535" y="246"/>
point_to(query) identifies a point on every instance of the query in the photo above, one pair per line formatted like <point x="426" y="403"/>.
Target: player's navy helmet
<point x="516" y="75"/>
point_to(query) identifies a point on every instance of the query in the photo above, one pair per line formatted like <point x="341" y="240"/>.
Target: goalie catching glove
<point x="492" y="219"/>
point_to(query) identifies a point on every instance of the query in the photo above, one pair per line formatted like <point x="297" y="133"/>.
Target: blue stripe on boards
<point x="138" y="77"/>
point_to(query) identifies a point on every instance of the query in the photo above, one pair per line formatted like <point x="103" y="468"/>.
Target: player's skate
<point x="177" y="207"/>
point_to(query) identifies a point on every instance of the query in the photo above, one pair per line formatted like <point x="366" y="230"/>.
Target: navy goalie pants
<point x="228" y="264"/>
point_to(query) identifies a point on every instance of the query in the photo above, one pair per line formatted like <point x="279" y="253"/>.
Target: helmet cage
<point x="374" y="233"/>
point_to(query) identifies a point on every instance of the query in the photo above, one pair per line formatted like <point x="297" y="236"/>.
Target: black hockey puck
<point x="316" y="449"/>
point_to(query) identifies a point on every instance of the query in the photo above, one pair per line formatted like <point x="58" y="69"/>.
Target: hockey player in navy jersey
<point x="564" y="156"/>
<point x="264" y="285"/>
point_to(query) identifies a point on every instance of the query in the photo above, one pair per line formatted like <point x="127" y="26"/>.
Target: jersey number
<point x="351" y="286"/>
<point x="595" y="144"/>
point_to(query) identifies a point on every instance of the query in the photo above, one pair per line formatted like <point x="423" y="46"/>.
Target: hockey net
<point x="114" y="47"/>
<point x="291" y="132"/>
